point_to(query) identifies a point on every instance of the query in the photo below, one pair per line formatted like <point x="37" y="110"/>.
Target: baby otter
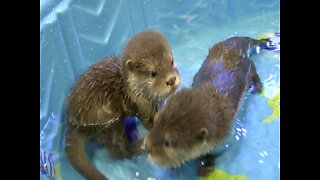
<point x="195" y="120"/>
<point x="192" y="122"/>
<point x="134" y="85"/>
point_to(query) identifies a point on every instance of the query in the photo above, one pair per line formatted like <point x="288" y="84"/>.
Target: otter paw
<point x="119" y="153"/>
<point x="205" y="170"/>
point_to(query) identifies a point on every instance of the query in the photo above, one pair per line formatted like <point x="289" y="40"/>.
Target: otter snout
<point x="171" y="81"/>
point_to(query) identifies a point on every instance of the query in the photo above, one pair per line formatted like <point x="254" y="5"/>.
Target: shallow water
<point x="253" y="148"/>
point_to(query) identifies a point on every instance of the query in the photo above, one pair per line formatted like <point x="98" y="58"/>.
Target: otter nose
<point x="171" y="81"/>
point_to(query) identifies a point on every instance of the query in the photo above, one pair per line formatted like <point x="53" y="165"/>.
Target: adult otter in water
<point x="195" y="120"/>
<point x="137" y="84"/>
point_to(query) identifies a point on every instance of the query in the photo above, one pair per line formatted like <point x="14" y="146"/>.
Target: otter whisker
<point x="189" y="168"/>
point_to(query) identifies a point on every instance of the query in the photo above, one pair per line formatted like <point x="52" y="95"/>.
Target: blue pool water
<point x="77" y="33"/>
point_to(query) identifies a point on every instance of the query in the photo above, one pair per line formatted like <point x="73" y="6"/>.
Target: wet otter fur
<point x="229" y="68"/>
<point x="195" y="120"/>
<point x="134" y="85"/>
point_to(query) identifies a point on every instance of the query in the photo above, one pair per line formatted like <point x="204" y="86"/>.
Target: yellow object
<point x="219" y="174"/>
<point x="265" y="35"/>
<point x="57" y="172"/>
<point x="275" y="103"/>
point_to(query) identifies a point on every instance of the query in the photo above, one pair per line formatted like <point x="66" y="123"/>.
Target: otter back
<point x="97" y="96"/>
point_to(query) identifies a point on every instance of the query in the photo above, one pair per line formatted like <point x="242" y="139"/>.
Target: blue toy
<point x="131" y="128"/>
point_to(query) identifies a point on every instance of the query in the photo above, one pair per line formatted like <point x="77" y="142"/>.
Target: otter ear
<point x="202" y="134"/>
<point x="130" y="64"/>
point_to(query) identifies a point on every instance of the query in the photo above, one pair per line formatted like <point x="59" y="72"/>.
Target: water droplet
<point x="264" y="152"/>
<point x="237" y="137"/>
<point x="260" y="161"/>
<point x="258" y="49"/>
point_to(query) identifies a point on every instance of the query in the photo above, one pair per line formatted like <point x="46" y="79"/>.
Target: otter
<point x="136" y="84"/>
<point x="193" y="121"/>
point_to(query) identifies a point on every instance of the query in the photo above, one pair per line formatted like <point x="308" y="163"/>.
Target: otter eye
<point x="166" y="143"/>
<point x="153" y="74"/>
<point x="172" y="62"/>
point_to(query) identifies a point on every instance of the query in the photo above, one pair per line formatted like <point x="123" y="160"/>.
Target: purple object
<point x="47" y="164"/>
<point x="274" y="43"/>
<point x="131" y="128"/>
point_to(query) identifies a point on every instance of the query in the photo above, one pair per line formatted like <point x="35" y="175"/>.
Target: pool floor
<point x="253" y="149"/>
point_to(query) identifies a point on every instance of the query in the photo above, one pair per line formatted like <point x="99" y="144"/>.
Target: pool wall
<point x="75" y="34"/>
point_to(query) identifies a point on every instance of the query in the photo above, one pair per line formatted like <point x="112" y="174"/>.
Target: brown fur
<point x="229" y="59"/>
<point x="195" y="120"/>
<point x="181" y="121"/>
<point x="113" y="89"/>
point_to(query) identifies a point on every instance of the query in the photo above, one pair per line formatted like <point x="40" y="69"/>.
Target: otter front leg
<point x="206" y="165"/>
<point x="254" y="80"/>
<point x="137" y="147"/>
<point x="117" y="144"/>
<point x="121" y="148"/>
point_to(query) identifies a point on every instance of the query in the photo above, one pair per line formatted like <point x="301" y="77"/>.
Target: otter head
<point x="186" y="128"/>
<point x="149" y="67"/>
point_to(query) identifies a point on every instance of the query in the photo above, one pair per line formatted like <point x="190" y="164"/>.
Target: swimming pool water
<point x="75" y="34"/>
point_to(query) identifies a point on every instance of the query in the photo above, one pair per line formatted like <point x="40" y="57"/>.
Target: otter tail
<point x="75" y="150"/>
